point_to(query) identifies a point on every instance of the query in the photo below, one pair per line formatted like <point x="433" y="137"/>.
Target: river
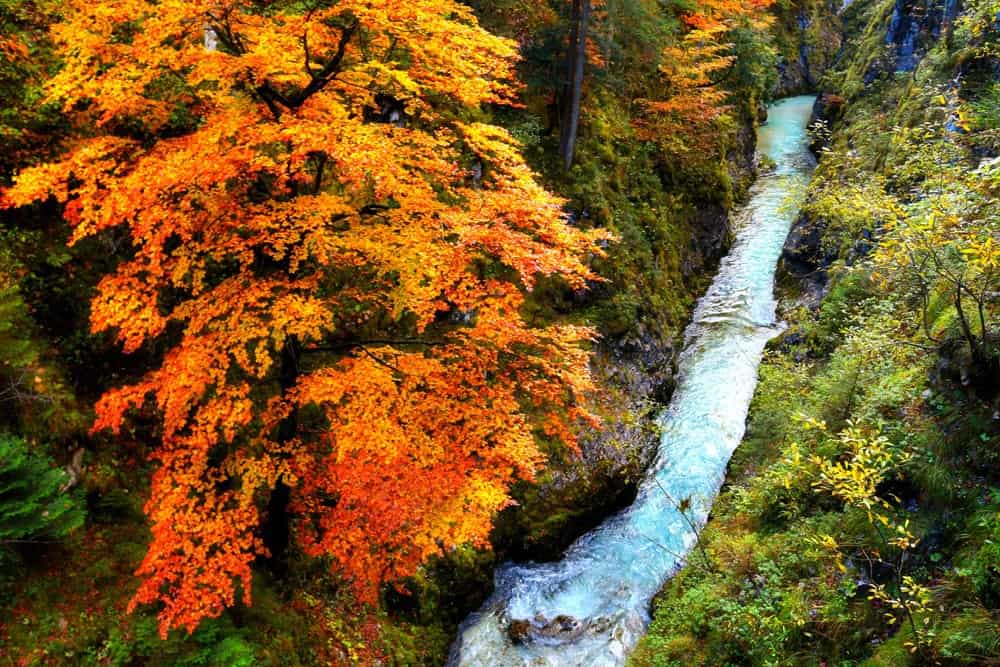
<point x="590" y="608"/>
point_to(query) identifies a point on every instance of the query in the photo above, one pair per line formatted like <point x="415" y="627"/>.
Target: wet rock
<point x="761" y="112"/>
<point x="561" y="627"/>
<point x="519" y="631"/>
<point x="802" y="253"/>
<point x="914" y="27"/>
<point x="710" y="241"/>
<point x="902" y="34"/>
<point x="664" y="391"/>
<point x="804" y="259"/>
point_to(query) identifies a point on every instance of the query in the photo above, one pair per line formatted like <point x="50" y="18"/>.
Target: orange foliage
<point x="711" y="14"/>
<point x="693" y="72"/>
<point x="321" y="244"/>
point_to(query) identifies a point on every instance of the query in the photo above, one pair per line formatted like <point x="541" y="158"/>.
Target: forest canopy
<point x="314" y="313"/>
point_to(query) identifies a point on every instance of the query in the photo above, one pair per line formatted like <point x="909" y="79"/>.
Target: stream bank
<point x="590" y="608"/>
<point x="792" y="571"/>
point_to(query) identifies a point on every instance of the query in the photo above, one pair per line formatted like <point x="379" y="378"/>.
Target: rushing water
<point x="590" y="608"/>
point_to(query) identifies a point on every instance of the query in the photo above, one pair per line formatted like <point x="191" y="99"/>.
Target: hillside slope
<point x="860" y="520"/>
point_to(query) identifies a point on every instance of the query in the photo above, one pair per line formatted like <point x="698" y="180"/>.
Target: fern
<point x="33" y="505"/>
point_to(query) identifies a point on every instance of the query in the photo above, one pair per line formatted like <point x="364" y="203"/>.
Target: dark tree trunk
<point x="573" y="91"/>
<point x="979" y="357"/>
<point x="276" y="529"/>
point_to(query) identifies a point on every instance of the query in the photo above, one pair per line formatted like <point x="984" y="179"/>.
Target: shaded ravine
<point x="590" y="608"/>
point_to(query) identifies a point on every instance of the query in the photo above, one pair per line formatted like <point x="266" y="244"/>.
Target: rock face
<point x="915" y="26"/>
<point x="802" y="255"/>
<point x="812" y="38"/>
<point x="635" y="374"/>
<point x="742" y="156"/>
<point x="797" y="74"/>
<point x="710" y="241"/>
<point x="711" y="224"/>
<point x="805" y="260"/>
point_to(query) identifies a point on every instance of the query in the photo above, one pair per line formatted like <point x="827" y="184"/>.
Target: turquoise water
<point x="590" y="608"/>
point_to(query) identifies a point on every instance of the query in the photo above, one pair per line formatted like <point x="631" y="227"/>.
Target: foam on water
<point x="590" y="608"/>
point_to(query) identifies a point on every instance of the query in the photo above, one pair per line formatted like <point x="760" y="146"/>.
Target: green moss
<point x="971" y="637"/>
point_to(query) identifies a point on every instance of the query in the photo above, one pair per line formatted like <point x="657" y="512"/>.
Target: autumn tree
<point x="333" y="251"/>
<point x="934" y="215"/>
<point x="696" y="71"/>
<point x="944" y="241"/>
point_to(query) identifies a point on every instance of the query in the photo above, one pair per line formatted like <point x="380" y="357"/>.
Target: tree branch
<point x="709" y="84"/>
<point x="329" y="71"/>
<point x="320" y="166"/>
<point x="380" y="361"/>
<point x="272" y="97"/>
<point x="348" y="345"/>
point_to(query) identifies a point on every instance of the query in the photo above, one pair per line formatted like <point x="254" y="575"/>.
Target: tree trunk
<point x="575" y="60"/>
<point x="211" y="39"/>
<point x="977" y="356"/>
<point x="276" y="529"/>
